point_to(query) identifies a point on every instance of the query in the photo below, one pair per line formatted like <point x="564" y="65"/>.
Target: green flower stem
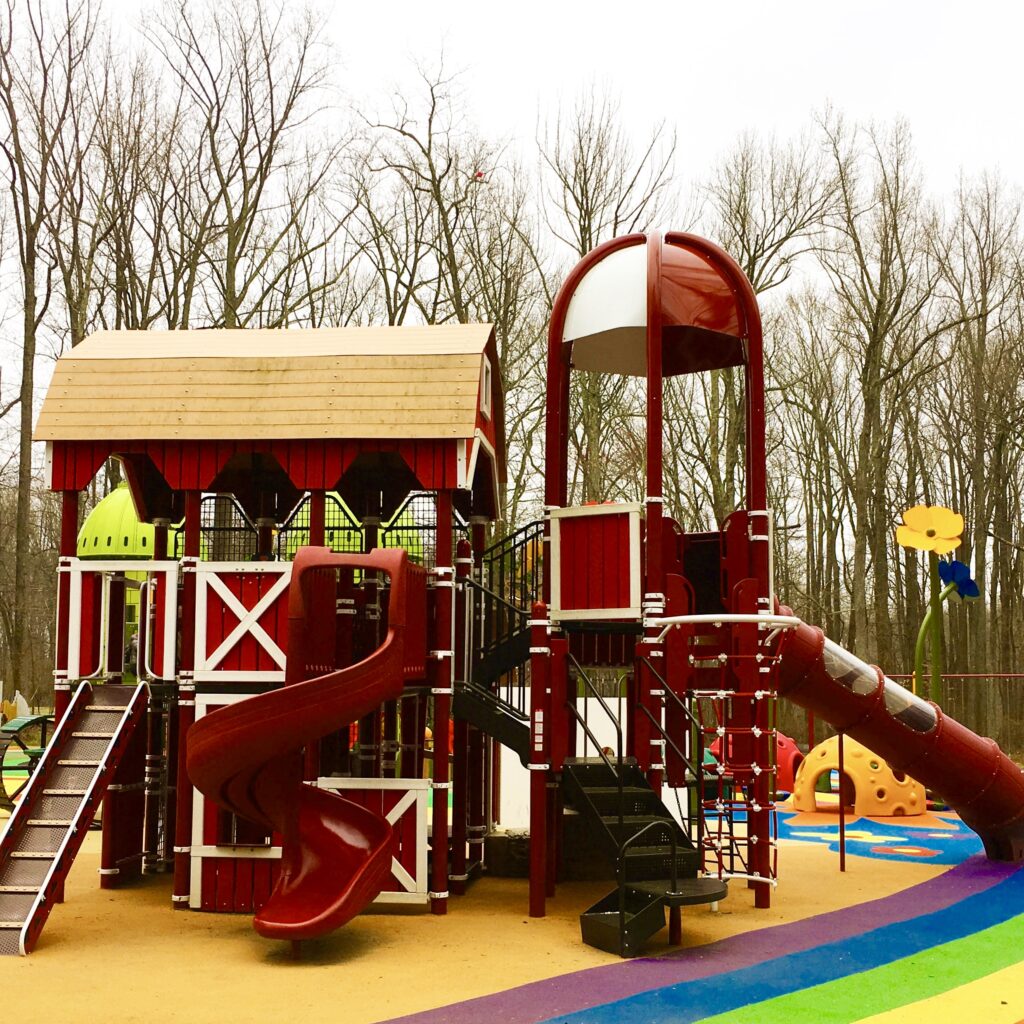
<point x="926" y="627"/>
<point x="936" y="641"/>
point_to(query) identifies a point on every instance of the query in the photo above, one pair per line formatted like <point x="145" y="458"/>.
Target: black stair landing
<point x="46" y="828"/>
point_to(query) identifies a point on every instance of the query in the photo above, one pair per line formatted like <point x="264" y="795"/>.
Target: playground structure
<point x="867" y="782"/>
<point x="285" y="617"/>
<point x="24" y="735"/>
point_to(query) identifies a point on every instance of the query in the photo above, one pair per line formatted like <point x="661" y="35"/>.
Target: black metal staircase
<point x="495" y="717"/>
<point x="656" y="863"/>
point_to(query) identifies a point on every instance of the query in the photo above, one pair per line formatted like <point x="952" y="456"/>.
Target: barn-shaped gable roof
<point x="354" y="382"/>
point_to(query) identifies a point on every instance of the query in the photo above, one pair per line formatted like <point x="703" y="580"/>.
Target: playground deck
<point x="894" y="940"/>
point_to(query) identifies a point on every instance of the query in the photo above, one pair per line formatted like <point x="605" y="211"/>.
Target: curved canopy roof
<point x="703" y="325"/>
<point x="112" y="529"/>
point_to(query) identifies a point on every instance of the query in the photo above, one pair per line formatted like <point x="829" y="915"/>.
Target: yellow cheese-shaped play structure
<point x="878" y="791"/>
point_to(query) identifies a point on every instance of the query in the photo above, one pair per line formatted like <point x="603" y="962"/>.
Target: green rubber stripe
<point x="925" y="974"/>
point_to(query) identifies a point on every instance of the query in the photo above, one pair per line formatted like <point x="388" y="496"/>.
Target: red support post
<point x="654" y="576"/>
<point x="460" y="766"/>
<point x="369" y="725"/>
<point x="186" y="701"/>
<point x="68" y="550"/>
<point x="317" y="518"/>
<point x="478" y="741"/>
<point x="317" y="539"/>
<point x="540" y="690"/>
<point x="443" y="678"/>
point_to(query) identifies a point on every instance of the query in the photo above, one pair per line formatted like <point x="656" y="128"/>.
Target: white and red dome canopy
<point x="702" y="307"/>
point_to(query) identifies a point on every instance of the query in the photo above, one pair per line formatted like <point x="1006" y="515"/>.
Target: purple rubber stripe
<point x="579" y="990"/>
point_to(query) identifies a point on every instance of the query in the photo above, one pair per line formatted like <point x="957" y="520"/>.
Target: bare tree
<point x="597" y="184"/>
<point x="251" y="76"/>
<point x="42" y="65"/>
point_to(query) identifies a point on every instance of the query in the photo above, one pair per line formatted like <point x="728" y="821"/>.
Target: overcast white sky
<point x="716" y="68"/>
<point x="711" y="70"/>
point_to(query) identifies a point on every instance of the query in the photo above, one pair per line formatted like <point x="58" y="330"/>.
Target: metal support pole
<point x="186" y="704"/>
<point x="842" y="806"/>
<point x="443" y="678"/>
<point x="540" y="684"/>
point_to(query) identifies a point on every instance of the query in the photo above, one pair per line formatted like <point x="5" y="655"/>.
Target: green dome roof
<point x="112" y="529"/>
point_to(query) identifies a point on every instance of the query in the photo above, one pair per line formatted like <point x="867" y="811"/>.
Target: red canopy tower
<point x="682" y="613"/>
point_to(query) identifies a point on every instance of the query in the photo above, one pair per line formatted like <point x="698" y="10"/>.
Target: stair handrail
<point x="43" y="764"/>
<point x="476" y="585"/>
<point x="484" y="694"/>
<point x="620" y="871"/>
<point x="129" y="710"/>
<point x="696" y="771"/>
<point x="571" y="705"/>
<point x="531" y="533"/>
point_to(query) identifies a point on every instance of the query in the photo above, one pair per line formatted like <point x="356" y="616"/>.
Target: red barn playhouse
<point x="330" y="599"/>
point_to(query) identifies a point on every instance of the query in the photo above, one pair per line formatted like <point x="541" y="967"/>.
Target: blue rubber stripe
<point x="692" y="1001"/>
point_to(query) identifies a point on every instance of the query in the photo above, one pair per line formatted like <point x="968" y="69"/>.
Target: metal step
<point x="632" y="823"/>
<point x="70" y="763"/>
<point x="25" y="890"/>
<point x="28" y="855"/>
<point x="645" y="863"/>
<point x="688" y="892"/>
<point x="49" y="822"/>
<point x="110" y="709"/>
<point x="604" y="926"/>
<point x="65" y="792"/>
<point x="92" y="735"/>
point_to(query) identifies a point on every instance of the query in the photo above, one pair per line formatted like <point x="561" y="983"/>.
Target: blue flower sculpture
<point x="960" y="576"/>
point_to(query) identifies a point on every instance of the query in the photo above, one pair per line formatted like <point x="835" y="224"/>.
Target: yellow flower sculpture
<point x="930" y="528"/>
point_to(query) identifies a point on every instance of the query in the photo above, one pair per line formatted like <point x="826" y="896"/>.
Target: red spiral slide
<point x="968" y="771"/>
<point x="247" y="757"/>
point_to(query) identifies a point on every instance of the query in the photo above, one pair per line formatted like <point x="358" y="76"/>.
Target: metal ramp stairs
<point x="47" y="827"/>
<point x="656" y="862"/>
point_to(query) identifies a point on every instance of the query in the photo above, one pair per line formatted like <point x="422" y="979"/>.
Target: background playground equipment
<point x="22" y="742"/>
<point x="250" y="687"/>
<point x="789" y="758"/>
<point x="867" y="782"/>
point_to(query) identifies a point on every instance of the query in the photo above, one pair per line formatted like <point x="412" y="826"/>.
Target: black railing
<point x="620" y="870"/>
<point x="513" y="567"/>
<point x="499" y="603"/>
<point x="342" y="532"/>
<point x="497" y="645"/>
<point x="616" y="769"/>
<point x="694" y="766"/>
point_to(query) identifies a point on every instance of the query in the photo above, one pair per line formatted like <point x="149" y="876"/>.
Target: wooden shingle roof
<point x="351" y="382"/>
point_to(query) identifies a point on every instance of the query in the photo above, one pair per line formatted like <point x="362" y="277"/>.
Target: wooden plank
<point x="248" y="431"/>
<point x="337" y="368"/>
<point x="59" y="408"/>
<point x="335" y="419"/>
<point x="88" y="389"/>
<point x="319" y="341"/>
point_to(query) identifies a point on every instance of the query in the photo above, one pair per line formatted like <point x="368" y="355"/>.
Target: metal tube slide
<point x="969" y="772"/>
<point x="247" y="757"/>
